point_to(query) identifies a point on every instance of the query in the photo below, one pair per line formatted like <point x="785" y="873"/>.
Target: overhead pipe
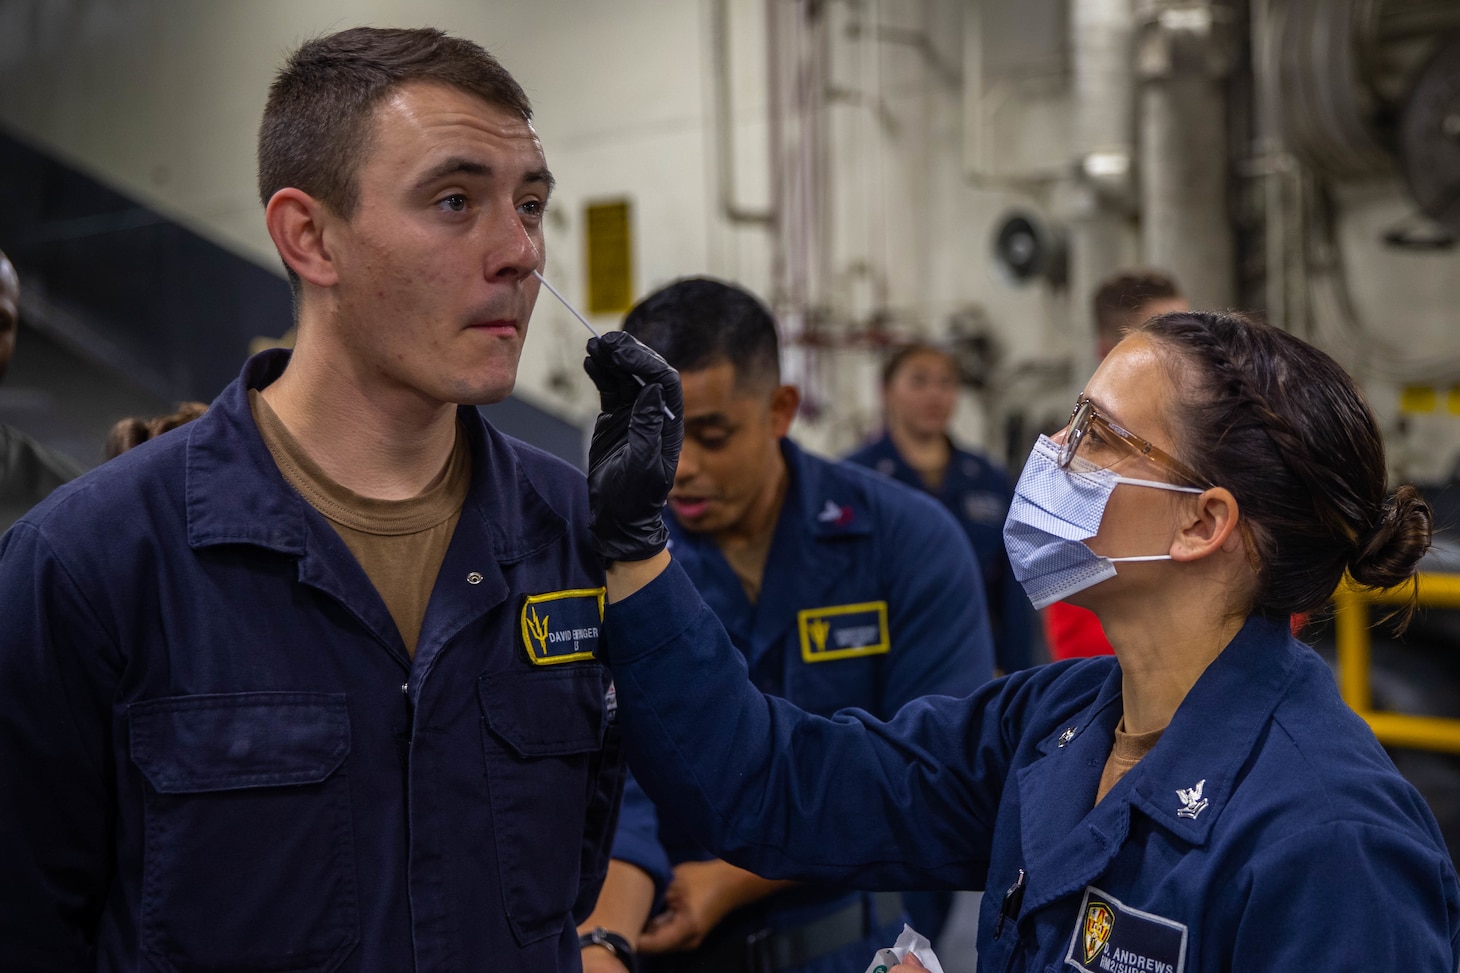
<point x="796" y="57"/>
<point x="1185" y="53"/>
<point x="1101" y="231"/>
<point x="730" y="206"/>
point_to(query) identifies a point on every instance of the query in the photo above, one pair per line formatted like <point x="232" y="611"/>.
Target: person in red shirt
<point x="1124" y="301"/>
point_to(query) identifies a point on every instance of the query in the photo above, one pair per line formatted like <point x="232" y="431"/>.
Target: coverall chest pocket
<point x="541" y="730"/>
<point x="250" y="860"/>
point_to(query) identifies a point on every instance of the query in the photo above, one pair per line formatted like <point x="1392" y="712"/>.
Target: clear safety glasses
<point x="1097" y="442"/>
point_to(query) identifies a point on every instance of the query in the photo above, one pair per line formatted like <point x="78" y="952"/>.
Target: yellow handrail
<point x="1353" y="643"/>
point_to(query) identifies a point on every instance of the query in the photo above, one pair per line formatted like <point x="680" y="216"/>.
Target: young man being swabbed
<point x="310" y="683"/>
<point x="1203" y="800"/>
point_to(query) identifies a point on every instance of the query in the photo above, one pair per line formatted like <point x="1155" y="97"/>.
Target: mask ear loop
<point x="1158" y="485"/>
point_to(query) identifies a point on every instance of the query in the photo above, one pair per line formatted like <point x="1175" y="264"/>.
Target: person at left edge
<point x="839" y="588"/>
<point x="28" y="470"/>
<point x="308" y="683"/>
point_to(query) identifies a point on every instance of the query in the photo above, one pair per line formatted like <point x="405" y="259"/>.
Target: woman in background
<point x="919" y="395"/>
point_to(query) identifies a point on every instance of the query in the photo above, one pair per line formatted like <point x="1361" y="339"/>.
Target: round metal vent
<point x="1025" y="249"/>
<point x="1429" y="136"/>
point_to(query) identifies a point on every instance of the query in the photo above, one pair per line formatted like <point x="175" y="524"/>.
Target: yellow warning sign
<point x="1418" y="399"/>
<point x="609" y="246"/>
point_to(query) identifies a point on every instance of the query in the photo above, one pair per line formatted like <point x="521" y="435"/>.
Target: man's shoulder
<point x="136" y="499"/>
<point x="869" y="453"/>
<point x="158" y="465"/>
<point x="892" y="515"/>
<point x="538" y="459"/>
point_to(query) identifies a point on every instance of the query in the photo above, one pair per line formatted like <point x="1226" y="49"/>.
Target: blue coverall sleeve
<point x="637" y="838"/>
<point x="58" y="669"/>
<point x="849" y="800"/>
<point x="938" y="621"/>
<point x="1341" y="896"/>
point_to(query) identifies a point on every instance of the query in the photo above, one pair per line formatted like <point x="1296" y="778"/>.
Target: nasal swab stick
<point x="591" y="329"/>
<point x="571" y="309"/>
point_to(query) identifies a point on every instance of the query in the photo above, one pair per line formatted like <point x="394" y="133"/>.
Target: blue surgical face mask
<point x="1054" y="511"/>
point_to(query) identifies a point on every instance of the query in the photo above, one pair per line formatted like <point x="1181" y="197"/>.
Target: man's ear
<point x="1211" y="525"/>
<point x="297" y="223"/>
<point x="785" y="400"/>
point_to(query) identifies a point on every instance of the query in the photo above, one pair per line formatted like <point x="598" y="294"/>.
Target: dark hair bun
<point x="1388" y="555"/>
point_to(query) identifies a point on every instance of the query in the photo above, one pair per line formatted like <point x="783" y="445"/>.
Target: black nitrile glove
<point x="635" y="446"/>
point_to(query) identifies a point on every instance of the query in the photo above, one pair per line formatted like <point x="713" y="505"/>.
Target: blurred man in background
<point x="840" y="588"/>
<point x="1131" y="298"/>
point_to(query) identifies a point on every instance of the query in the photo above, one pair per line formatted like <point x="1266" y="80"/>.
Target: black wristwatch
<point x="611" y="941"/>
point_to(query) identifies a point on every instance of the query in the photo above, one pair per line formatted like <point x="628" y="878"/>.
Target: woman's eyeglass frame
<point x="1085" y="414"/>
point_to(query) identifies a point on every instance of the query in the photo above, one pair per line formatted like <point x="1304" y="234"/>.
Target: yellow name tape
<point x="843" y="631"/>
<point x="562" y="626"/>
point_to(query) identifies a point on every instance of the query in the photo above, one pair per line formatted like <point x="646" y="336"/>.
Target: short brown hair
<point x="317" y="129"/>
<point x="1121" y="296"/>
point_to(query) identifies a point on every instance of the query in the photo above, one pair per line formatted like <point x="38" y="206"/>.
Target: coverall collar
<point x="828" y="508"/>
<point x="236" y="494"/>
<point x="1182" y="786"/>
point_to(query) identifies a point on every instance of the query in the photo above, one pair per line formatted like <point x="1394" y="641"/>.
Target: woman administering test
<point x="1202" y="801"/>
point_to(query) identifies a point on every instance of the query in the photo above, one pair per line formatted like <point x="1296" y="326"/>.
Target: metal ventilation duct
<point x="1343" y="69"/>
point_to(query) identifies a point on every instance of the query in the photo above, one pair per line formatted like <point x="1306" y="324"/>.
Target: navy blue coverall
<point x="1267" y="829"/>
<point x="871" y="599"/>
<point x="217" y="753"/>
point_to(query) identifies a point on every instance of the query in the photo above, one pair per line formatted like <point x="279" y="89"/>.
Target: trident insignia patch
<point x="562" y="626"/>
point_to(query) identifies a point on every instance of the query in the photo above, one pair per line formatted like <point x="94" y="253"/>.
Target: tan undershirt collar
<point x="1127" y="751"/>
<point x="441" y="499"/>
<point x="400" y="544"/>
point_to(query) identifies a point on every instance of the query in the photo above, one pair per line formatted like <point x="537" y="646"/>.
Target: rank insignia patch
<point x="843" y="631"/>
<point x="562" y="626"/>
<point x="1111" y="937"/>
<point x="1192" y="803"/>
